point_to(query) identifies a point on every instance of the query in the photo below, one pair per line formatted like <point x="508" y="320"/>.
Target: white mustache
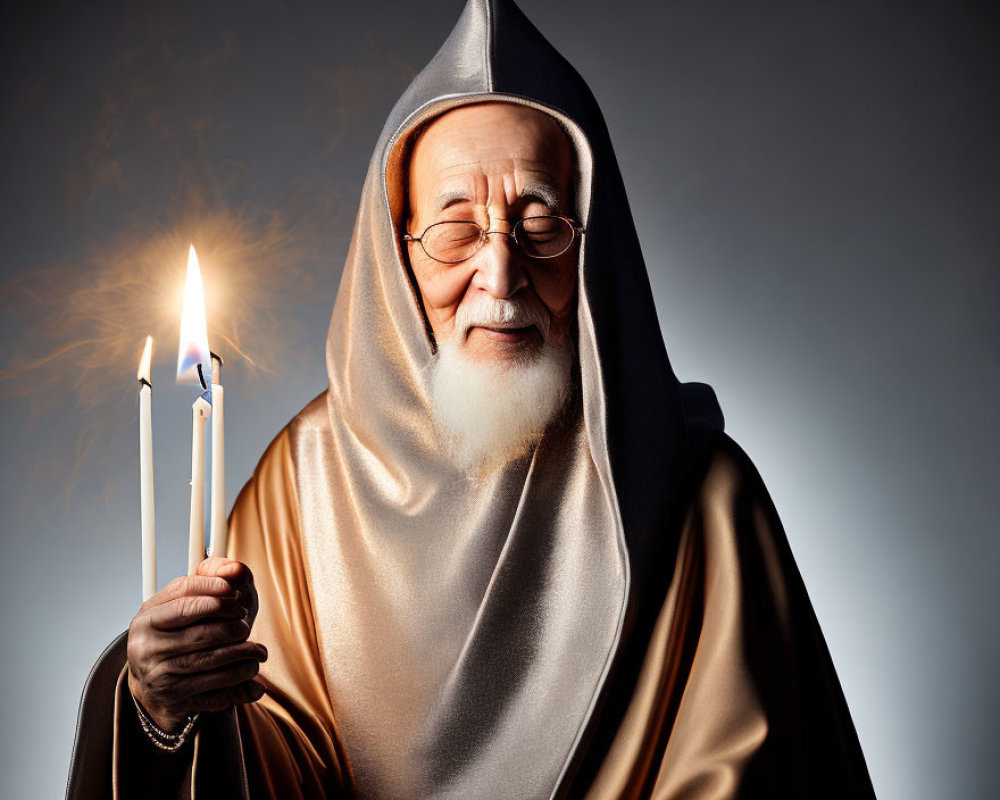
<point x="492" y="312"/>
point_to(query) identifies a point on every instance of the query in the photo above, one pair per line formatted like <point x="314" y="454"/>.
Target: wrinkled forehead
<point x="398" y="158"/>
<point x="488" y="150"/>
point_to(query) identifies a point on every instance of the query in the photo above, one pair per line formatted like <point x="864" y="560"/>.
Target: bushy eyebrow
<point x="449" y="198"/>
<point x="534" y="189"/>
<point x="541" y="191"/>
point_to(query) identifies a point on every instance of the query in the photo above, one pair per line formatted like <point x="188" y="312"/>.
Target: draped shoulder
<point x="737" y="695"/>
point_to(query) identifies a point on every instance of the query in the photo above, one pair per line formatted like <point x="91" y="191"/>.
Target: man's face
<point x="492" y="163"/>
<point x="501" y="319"/>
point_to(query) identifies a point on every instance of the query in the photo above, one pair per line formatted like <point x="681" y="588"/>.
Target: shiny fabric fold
<point x="616" y="614"/>
<point x="464" y="623"/>
<point x="736" y="694"/>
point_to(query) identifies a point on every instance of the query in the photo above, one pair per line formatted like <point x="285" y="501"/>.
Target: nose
<point x="500" y="269"/>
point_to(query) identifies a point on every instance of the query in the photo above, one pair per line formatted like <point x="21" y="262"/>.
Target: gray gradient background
<point x="815" y="187"/>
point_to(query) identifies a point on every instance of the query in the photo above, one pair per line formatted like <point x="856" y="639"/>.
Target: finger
<point x="216" y="679"/>
<point x="208" y="660"/>
<point x="238" y="575"/>
<point x="235" y="572"/>
<point x="211" y="565"/>
<point x="188" y="610"/>
<point x="247" y="692"/>
<point x="247" y="597"/>
<point x="174" y="692"/>
<point x="190" y="585"/>
<point x="148" y="644"/>
<point x="240" y="578"/>
<point x="200" y="636"/>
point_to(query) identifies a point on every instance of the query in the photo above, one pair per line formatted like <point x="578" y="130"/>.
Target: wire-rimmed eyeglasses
<point x="454" y="241"/>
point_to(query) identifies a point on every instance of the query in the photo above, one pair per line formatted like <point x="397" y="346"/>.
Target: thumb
<point x="236" y="572"/>
<point x="213" y="565"/>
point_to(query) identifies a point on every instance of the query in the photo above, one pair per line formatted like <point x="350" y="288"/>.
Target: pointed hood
<point x="495" y="50"/>
<point x="467" y="625"/>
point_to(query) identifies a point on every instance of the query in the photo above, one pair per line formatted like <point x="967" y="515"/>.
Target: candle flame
<point x="144" y="362"/>
<point x="78" y="319"/>
<point x="193" y="350"/>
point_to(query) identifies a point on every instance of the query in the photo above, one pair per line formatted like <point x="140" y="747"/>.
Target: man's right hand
<point x="188" y="649"/>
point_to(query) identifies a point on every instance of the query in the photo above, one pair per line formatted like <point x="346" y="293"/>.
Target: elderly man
<point x="506" y="553"/>
<point x="490" y="187"/>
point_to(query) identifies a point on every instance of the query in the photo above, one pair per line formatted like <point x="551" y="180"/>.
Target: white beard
<point x="488" y="412"/>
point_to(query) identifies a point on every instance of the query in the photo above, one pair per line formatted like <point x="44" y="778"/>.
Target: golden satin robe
<point x="616" y="615"/>
<point x="700" y="724"/>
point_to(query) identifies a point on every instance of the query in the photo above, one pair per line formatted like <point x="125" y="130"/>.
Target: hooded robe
<point x="614" y="614"/>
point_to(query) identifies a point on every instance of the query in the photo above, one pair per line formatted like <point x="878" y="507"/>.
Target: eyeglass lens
<point x="539" y="237"/>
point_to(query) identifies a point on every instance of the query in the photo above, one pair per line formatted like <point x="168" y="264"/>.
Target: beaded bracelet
<point x="171" y="742"/>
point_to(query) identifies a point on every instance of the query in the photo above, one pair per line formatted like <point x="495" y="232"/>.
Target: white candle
<point x="147" y="503"/>
<point x="219" y="528"/>
<point x="200" y="411"/>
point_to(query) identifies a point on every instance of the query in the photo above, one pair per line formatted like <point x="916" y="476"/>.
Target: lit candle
<point x="201" y="410"/>
<point x="194" y="365"/>
<point x="218" y="530"/>
<point x="146" y="500"/>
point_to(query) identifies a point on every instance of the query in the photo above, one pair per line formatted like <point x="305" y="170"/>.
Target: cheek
<point x="441" y="290"/>
<point x="555" y="285"/>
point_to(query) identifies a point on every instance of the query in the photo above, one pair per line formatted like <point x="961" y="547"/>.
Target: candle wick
<point x="144" y="382"/>
<point x="216" y="367"/>
<point x="201" y="378"/>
